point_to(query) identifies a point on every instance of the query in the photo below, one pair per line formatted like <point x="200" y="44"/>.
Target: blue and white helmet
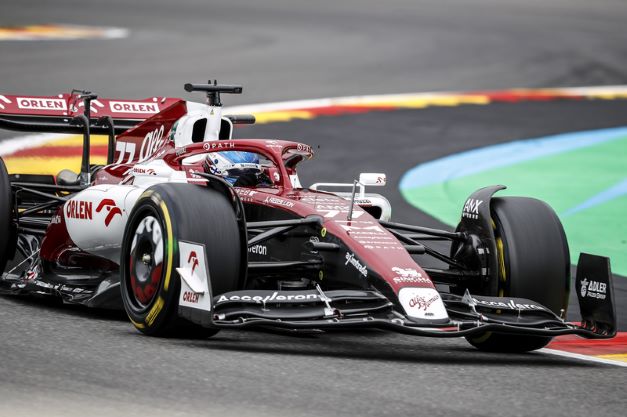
<point x="232" y="164"/>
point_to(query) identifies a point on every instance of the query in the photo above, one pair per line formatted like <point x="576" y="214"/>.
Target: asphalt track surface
<point x="60" y="360"/>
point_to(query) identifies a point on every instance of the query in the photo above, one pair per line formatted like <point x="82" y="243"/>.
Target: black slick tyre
<point x="534" y="264"/>
<point x="162" y="217"/>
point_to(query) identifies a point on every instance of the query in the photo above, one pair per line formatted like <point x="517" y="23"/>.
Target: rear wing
<point x="80" y="112"/>
<point x="70" y="104"/>
<point x="52" y="113"/>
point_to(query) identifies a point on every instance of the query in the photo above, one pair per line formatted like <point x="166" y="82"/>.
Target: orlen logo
<point x="112" y="210"/>
<point x="192" y="260"/>
<point x="190" y="297"/>
<point x="76" y="209"/>
<point x="133" y="107"/>
<point x="33" y="103"/>
<point x="144" y="171"/>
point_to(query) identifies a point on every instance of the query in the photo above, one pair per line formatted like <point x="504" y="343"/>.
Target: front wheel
<point x="166" y="219"/>
<point x="534" y="263"/>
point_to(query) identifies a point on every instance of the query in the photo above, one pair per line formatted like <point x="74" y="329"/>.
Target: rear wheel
<point x="7" y="234"/>
<point x="534" y="263"/>
<point x="165" y="215"/>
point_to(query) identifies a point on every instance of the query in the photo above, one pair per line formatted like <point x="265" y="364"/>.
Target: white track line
<point x="582" y="357"/>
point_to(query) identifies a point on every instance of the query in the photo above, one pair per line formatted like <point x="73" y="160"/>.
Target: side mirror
<point x="372" y="179"/>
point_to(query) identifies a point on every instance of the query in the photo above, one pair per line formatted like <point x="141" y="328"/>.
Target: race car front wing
<point x="469" y="314"/>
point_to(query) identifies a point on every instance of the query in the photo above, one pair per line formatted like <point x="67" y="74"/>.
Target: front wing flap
<point x="469" y="315"/>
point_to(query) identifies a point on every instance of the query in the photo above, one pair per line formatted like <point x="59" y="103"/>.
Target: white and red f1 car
<point x="190" y="244"/>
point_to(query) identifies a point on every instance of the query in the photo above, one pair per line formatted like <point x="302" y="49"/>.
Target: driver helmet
<point x="234" y="164"/>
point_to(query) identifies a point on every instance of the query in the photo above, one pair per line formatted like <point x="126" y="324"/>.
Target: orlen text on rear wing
<point x="38" y="112"/>
<point x="79" y="112"/>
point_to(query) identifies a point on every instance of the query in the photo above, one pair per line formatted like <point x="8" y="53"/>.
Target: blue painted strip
<point x="604" y="196"/>
<point x="478" y="160"/>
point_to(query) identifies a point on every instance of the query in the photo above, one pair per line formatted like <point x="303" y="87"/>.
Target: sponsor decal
<point x="133" y="107"/>
<point x="56" y="219"/>
<point x="471" y="208"/>
<point x="365" y="230"/>
<point x="191" y="297"/>
<point x="195" y="291"/>
<point x="593" y="289"/>
<point x="258" y="249"/>
<point x="111" y="208"/>
<point x="245" y="192"/>
<point x="370" y="235"/>
<point x="124" y="148"/>
<point x="278" y="202"/>
<point x="379" y="240"/>
<point x="217" y="145"/>
<point x="144" y="171"/>
<point x="192" y="260"/>
<point x="383" y="247"/>
<point x="333" y="210"/>
<point x="275" y="296"/>
<point x="322" y="199"/>
<point x="409" y="276"/>
<point x="508" y="304"/>
<point x="180" y="151"/>
<point x="34" y="103"/>
<point x="244" y="165"/>
<point x="151" y="143"/>
<point x="154" y="311"/>
<point x="273" y="144"/>
<point x="192" y="174"/>
<point x="76" y="209"/>
<point x="350" y="259"/>
<point x="303" y="148"/>
<point x="422" y="303"/>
